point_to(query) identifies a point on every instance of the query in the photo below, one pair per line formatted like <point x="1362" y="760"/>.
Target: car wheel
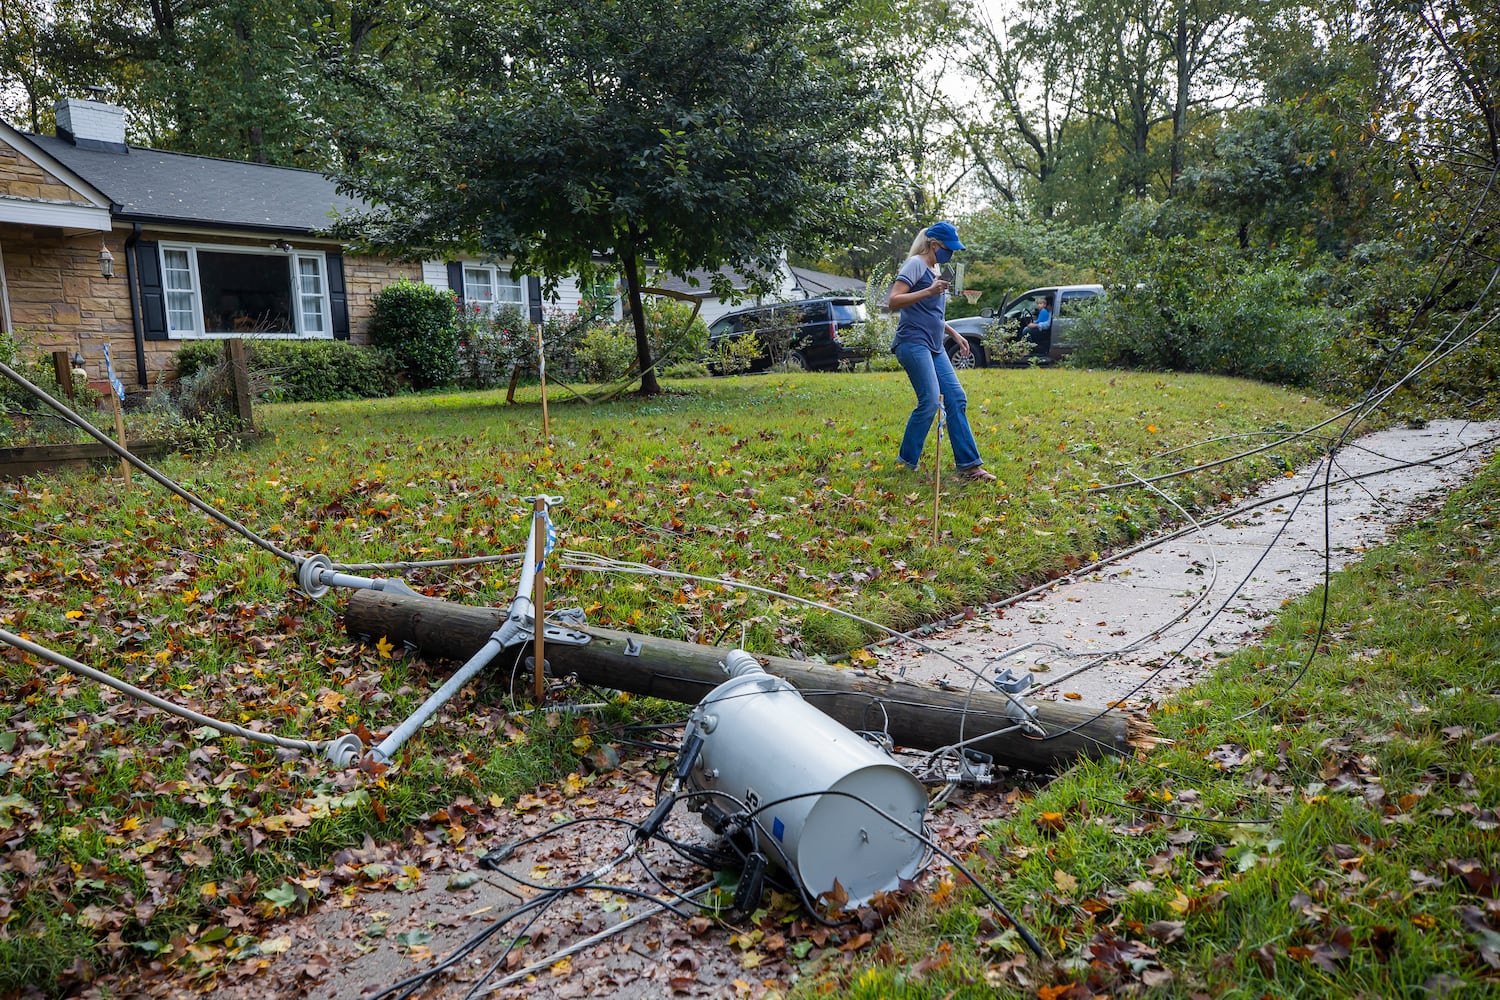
<point x="974" y="360"/>
<point x="795" y="362"/>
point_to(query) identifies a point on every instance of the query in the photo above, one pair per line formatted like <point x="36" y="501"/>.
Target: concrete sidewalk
<point x="1199" y="597"/>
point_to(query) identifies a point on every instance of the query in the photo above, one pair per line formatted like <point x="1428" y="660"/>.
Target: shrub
<point x="1398" y="317"/>
<point x="686" y="369"/>
<point x="872" y="338"/>
<point x="1179" y="307"/>
<point x="24" y="419"/>
<point x="607" y="353"/>
<point x="298" y="371"/>
<point x="735" y="355"/>
<point x="418" y="325"/>
<point x="492" y="345"/>
<point x="670" y="333"/>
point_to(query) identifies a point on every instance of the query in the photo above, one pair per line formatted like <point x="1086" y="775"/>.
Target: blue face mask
<point x="944" y="255"/>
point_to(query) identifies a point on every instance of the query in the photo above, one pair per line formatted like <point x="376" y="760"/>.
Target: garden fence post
<point x="62" y="365"/>
<point x="239" y="373"/>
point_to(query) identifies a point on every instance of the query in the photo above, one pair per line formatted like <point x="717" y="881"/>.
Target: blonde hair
<point x="919" y="245"/>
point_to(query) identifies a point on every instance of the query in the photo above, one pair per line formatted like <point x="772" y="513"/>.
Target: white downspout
<point x="5" y="323"/>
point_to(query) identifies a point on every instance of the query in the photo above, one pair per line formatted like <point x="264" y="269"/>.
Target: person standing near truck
<point x="919" y="295"/>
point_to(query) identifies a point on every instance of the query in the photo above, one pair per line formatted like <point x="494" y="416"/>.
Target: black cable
<point x="160" y="478"/>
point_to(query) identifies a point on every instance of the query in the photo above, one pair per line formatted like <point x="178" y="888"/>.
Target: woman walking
<point x="920" y="296"/>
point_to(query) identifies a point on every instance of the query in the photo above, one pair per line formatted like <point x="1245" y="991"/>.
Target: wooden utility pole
<point x="915" y="716"/>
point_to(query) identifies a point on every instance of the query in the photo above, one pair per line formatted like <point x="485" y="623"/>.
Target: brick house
<point x="105" y="242"/>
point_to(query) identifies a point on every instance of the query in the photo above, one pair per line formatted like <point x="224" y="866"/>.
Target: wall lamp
<point x="283" y="246"/>
<point x="106" y="261"/>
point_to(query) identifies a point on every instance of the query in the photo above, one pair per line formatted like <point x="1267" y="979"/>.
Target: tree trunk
<point x="915" y="716"/>
<point x="628" y="263"/>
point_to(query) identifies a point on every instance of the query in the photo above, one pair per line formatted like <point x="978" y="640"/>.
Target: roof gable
<point x="36" y="189"/>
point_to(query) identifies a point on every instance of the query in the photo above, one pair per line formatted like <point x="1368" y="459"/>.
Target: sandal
<point x="979" y="474"/>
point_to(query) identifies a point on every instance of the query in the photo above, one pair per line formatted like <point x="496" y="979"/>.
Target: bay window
<point x="226" y="290"/>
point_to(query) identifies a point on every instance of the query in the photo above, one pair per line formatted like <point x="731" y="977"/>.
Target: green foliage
<point x="493" y="345"/>
<point x="299" y="371"/>
<point x="606" y="353"/>
<point x="734" y="355"/>
<point x="1175" y="307"/>
<point x="709" y="145"/>
<point x="672" y="336"/>
<point x="686" y="369"/>
<point x="872" y="338"/>
<point x="26" y="420"/>
<point x="1008" y="255"/>
<point x="1396" y="323"/>
<point x="418" y="325"/>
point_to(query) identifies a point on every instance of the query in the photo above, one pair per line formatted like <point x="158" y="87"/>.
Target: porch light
<point x="106" y="262"/>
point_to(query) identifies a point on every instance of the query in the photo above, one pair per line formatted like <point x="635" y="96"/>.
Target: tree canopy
<point x="690" y="136"/>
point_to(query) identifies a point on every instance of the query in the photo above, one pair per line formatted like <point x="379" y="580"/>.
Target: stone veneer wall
<point x="59" y="300"/>
<point x="364" y="277"/>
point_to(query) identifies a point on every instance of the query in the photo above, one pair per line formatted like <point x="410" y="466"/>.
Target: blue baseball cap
<point x="945" y="234"/>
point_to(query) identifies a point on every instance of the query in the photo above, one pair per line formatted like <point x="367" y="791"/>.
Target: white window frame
<point x="500" y="279"/>
<point x="298" y="299"/>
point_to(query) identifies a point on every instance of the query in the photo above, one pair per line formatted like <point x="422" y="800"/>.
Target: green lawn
<point x="124" y="827"/>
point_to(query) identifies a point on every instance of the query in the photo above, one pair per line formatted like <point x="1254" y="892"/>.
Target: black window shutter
<point x="534" y="298"/>
<point x="456" y="279"/>
<point x="153" y="297"/>
<point x="338" y="296"/>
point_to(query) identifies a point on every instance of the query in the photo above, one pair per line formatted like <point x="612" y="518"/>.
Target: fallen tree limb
<point x="917" y="717"/>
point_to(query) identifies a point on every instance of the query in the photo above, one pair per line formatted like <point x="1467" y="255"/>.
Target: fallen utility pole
<point x="915" y="717"/>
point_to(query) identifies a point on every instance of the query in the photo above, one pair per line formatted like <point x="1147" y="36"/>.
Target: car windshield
<point x="849" y="312"/>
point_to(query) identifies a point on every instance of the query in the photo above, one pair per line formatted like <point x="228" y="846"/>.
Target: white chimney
<point x="91" y="124"/>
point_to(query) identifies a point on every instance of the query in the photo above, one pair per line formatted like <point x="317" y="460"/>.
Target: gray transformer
<point x="767" y="750"/>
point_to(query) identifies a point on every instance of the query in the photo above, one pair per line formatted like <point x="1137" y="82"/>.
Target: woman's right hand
<point x="938" y="286"/>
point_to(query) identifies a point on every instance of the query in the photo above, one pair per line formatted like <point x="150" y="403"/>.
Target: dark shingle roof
<point x="700" y="282"/>
<point x="149" y="185"/>
<point x="815" y="283"/>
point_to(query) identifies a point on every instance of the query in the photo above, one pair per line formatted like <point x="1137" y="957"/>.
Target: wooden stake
<point x="937" y="471"/>
<point x="120" y="432"/>
<point x="62" y="366"/>
<point x="538" y="601"/>
<point x="541" y="368"/>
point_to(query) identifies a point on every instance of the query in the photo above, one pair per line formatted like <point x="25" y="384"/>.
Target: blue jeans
<point x="931" y="374"/>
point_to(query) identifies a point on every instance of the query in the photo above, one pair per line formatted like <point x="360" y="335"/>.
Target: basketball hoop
<point x="972" y="294"/>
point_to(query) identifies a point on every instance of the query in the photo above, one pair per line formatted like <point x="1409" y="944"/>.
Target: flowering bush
<point x="491" y="345"/>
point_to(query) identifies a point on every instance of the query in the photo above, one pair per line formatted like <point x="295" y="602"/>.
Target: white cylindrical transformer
<point x="780" y="757"/>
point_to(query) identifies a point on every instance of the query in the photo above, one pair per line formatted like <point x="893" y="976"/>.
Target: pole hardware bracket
<point x="315" y="575"/>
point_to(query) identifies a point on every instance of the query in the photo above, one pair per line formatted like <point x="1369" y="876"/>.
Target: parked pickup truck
<point x="1063" y="301"/>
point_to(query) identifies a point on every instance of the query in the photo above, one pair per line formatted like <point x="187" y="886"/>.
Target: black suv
<point x="801" y="335"/>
